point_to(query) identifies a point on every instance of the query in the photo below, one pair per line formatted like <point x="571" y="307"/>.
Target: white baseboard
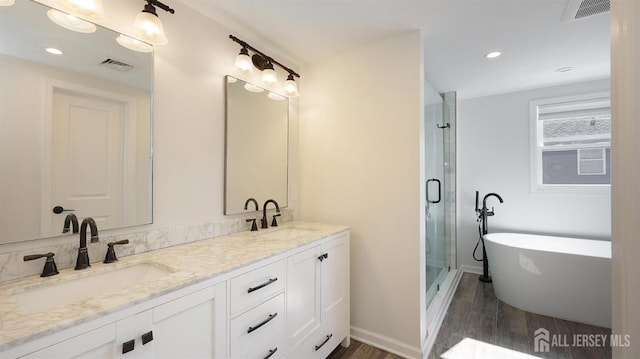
<point x="385" y="343"/>
<point x="470" y="269"/>
<point x="438" y="310"/>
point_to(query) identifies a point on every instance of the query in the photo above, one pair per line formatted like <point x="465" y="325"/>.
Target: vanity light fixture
<point x="7" y="2"/>
<point x="265" y="64"/>
<point x="133" y="44"/>
<point x="91" y="10"/>
<point x="243" y="61"/>
<point x="147" y="25"/>
<point x="71" y="22"/>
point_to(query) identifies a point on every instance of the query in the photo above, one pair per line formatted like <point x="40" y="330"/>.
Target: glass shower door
<point x="437" y="258"/>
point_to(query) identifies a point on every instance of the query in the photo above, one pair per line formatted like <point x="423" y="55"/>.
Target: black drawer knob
<point x="128" y="346"/>
<point x="147" y="337"/>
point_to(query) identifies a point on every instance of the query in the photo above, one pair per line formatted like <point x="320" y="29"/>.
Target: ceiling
<point x="457" y="33"/>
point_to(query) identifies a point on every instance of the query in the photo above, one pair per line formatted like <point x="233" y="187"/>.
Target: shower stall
<point x="440" y="185"/>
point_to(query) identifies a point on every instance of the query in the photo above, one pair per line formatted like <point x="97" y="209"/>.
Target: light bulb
<point x="7" y="2"/>
<point x="148" y="27"/>
<point x="243" y="61"/>
<point x="269" y="75"/>
<point x="133" y="44"/>
<point x="71" y="22"/>
<point x="91" y="10"/>
<point x="290" y="88"/>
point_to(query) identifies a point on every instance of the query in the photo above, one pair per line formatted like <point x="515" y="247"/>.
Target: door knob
<point x="60" y="209"/>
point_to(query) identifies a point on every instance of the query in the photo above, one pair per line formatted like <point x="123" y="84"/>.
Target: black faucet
<point x="254" y="226"/>
<point x="83" y="255"/>
<point x="264" y="212"/>
<point x="482" y="216"/>
<point x="246" y="204"/>
<point x="485" y="212"/>
<point x="68" y="220"/>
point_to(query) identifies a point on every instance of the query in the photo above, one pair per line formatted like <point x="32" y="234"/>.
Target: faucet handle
<point x="274" y="223"/>
<point x="111" y="253"/>
<point x="254" y="226"/>
<point x="50" y="267"/>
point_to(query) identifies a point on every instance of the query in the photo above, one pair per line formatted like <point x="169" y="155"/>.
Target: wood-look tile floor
<point x="475" y="312"/>
<point x="358" y="350"/>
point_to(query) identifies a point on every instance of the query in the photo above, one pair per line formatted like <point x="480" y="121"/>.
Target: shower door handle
<point x="439" y="190"/>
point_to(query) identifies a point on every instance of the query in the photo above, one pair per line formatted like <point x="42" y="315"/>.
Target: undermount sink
<point x="70" y="290"/>
<point x="287" y="233"/>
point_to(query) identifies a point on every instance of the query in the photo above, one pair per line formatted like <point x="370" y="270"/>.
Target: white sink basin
<point x="287" y="233"/>
<point x="70" y="290"/>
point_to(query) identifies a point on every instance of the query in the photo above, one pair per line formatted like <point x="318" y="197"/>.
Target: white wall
<point x="360" y="165"/>
<point x="493" y="156"/>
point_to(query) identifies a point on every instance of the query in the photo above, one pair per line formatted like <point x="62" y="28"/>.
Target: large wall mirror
<point x="257" y="135"/>
<point x="75" y="128"/>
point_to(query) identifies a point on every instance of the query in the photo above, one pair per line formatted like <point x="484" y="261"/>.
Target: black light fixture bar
<point x="268" y="58"/>
<point x="161" y="5"/>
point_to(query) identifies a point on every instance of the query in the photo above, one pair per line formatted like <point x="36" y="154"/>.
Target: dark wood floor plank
<point x="485" y="300"/>
<point x="453" y="326"/>
<point x="586" y="348"/>
<point x="535" y="322"/>
<point x="466" y="289"/>
<point x="481" y="327"/>
<point x="511" y="320"/>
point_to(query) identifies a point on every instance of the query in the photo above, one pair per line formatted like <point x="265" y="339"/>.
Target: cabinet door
<point x="303" y="295"/>
<point x="191" y="326"/>
<point x="334" y="278"/>
<point x="97" y="344"/>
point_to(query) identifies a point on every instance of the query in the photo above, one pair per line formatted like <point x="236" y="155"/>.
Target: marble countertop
<point x="188" y="264"/>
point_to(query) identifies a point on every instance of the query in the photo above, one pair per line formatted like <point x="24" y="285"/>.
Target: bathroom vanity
<point x="275" y="293"/>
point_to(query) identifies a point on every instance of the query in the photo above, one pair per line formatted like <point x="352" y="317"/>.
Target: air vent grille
<point x="580" y="9"/>
<point x="116" y="65"/>
<point x="592" y="7"/>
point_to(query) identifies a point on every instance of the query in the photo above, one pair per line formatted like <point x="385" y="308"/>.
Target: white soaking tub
<point x="561" y="277"/>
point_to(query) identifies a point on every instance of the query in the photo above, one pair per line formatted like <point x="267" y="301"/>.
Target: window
<point x="571" y="143"/>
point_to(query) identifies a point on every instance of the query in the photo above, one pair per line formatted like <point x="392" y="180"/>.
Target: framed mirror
<point x="257" y="138"/>
<point x="75" y="126"/>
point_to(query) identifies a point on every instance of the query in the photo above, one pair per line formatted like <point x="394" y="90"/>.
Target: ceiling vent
<point x="116" y="65"/>
<point x="580" y="9"/>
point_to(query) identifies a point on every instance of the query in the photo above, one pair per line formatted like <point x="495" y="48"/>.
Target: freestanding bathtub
<point x="566" y="278"/>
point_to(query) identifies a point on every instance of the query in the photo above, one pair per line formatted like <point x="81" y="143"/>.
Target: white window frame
<point x="535" y="148"/>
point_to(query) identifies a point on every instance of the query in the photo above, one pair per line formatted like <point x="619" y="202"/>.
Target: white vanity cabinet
<point x="184" y="327"/>
<point x="290" y="304"/>
<point x="317" y="299"/>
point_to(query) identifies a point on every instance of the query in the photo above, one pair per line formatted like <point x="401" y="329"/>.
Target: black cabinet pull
<point x="324" y="342"/>
<point x="147" y="337"/>
<point x="262" y="285"/>
<point x="323" y="257"/>
<point x="271" y="316"/>
<point x="271" y="352"/>
<point x="128" y="346"/>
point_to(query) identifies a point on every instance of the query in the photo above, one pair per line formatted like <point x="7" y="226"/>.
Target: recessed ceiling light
<point x="565" y="69"/>
<point x="493" y="54"/>
<point x="53" y="50"/>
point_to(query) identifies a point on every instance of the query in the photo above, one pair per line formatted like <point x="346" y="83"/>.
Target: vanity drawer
<point x="252" y="288"/>
<point x="322" y="342"/>
<point x="271" y="347"/>
<point x="258" y="325"/>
